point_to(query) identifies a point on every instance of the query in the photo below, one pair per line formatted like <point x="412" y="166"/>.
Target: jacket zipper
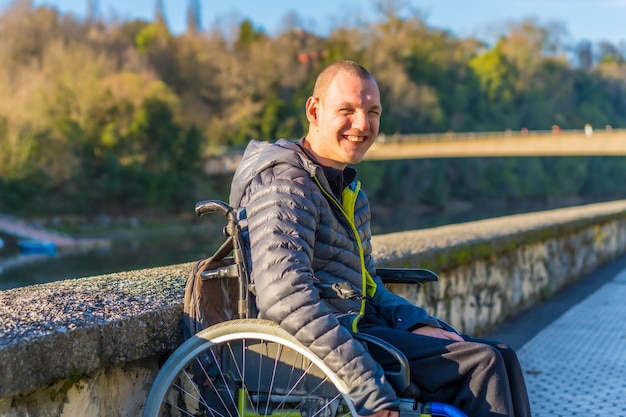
<point x="368" y="286"/>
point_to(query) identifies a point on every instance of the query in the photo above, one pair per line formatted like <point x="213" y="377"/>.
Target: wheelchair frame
<point x="250" y="367"/>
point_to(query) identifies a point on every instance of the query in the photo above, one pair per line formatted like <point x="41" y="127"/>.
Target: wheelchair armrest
<point x="406" y="275"/>
<point x="399" y="380"/>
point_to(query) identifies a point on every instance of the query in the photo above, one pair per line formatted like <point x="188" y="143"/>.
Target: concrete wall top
<point x="445" y="247"/>
<point x="65" y="329"/>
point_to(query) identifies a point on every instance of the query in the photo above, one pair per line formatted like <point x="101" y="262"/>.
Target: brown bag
<point x="208" y="301"/>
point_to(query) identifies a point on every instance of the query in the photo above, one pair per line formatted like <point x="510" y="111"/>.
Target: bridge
<point x="484" y="144"/>
<point x="603" y="142"/>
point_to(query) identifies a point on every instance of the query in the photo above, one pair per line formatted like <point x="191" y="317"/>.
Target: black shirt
<point x="337" y="178"/>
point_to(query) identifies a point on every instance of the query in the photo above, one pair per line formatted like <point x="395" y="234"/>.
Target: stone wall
<point x="491" y="270"/>
<point x="91" y="347"/>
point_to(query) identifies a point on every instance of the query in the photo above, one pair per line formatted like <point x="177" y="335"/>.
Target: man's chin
<point x="356" y="158"/>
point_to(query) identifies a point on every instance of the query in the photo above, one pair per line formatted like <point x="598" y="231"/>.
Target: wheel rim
<point x="248" y="374"/>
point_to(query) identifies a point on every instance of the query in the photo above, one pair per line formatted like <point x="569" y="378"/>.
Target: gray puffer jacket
<point x="299" y="233"/>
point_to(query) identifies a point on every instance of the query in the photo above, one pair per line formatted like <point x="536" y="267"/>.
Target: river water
<point x="126" y="255"/>
<point x="123" y="255"/>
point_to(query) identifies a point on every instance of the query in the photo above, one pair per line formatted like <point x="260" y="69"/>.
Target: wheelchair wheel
<point x="246" y="368"/>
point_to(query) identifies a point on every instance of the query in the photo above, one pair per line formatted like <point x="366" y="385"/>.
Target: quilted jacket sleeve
<point x="403" y="314"/>
<point x="395" y="309"/>
<point x="283" y="219"/>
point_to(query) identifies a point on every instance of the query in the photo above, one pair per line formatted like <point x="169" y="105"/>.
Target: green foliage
<point x="439" y="182"/>
<point x="145" y="37"/>
<point x="151" y="36"/>
<point x="118" y="116"/>
<point x="496" y="75"/>
<point x="248" y="34"/>
<point x="269" y="120"/>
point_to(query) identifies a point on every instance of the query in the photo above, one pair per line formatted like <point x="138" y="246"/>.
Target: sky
<point x="593" y="20"/>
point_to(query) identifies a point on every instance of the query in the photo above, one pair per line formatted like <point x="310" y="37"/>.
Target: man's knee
<point x="508" y="353"/>
<point x="476" y="356"/>
<point x="484" y="389"/>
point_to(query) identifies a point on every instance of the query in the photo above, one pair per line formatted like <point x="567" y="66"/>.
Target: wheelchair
<point x="249" y="367"/>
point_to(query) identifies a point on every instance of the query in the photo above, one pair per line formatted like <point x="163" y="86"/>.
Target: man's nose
<point x="360" y="120"/>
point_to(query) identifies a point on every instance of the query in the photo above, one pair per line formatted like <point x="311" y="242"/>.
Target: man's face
<point x="345" y="121"/>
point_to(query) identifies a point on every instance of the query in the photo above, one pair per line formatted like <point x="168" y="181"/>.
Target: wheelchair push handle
<point x="210" y="206"/>
<point x="233" y="243"/>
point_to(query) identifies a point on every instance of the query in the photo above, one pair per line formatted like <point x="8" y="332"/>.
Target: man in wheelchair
<point x="306" y="222"/>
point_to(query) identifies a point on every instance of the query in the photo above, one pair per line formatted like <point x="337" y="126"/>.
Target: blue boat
<point x="37" y="247"/>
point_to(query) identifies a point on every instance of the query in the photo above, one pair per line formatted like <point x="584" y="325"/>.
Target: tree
<point x="118" y="115"/>
<point x="159" y="14"/>
<point x="497" y="75"/>
<point x="194" y="23"/>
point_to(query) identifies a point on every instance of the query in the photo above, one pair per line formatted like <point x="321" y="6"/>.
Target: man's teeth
<point x="355" y="138"/>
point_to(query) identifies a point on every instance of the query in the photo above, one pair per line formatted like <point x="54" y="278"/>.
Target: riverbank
<point x="125" y="243"/>
<point x="149" y="240"/>
<point x="384" y="215"/>
<point x="29" y="243"/>
<point x="389" y="218"/>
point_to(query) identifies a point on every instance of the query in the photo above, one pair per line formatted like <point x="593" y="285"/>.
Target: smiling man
<point x="307" y="222"/>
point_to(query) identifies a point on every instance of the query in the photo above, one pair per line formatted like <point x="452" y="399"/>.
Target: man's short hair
<point x="328" y="75"/>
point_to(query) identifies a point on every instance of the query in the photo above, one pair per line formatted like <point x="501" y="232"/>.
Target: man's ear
<point x="312" y="110"/>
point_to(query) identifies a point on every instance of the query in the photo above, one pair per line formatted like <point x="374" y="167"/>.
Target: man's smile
<point x="353" y="138"/>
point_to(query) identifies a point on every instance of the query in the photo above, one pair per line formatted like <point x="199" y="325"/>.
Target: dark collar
<point x="337" y="179"/>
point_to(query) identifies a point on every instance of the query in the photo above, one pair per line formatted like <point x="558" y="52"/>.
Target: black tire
<point x="246" y="368"/>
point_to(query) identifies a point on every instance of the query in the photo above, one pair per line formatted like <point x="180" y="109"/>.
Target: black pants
<point x="482" y="378"/>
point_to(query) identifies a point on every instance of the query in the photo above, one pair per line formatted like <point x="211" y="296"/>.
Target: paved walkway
<point x="574" y="352"/>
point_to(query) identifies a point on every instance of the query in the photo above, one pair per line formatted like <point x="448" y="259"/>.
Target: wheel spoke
<point x="254" y="369"/>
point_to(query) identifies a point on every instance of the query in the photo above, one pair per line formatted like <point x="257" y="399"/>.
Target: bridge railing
<point x="453" y="136"/>
<point x="227" y="162"/>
